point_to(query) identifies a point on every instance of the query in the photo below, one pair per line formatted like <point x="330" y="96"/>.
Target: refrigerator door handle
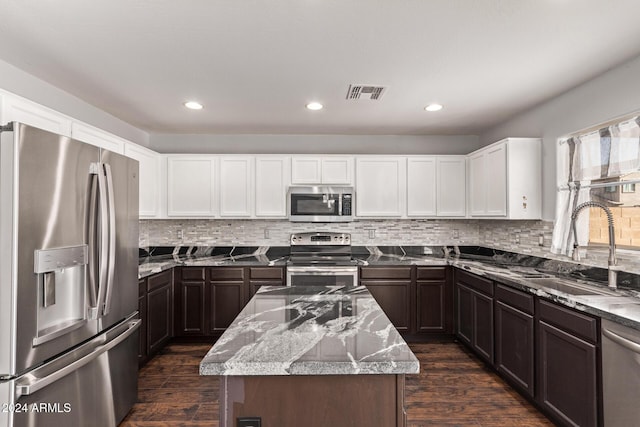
<point x="36" y="384"/>
<point x="104" y="242"/>
<point x="112" y="239"/>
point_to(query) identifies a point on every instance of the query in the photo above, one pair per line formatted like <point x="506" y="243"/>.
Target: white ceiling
<point x="256" y="63"/>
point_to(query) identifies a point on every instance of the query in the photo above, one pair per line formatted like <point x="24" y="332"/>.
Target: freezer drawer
<point x="95" y="384"/>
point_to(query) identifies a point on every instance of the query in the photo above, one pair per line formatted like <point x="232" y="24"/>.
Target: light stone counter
<point x="309" y="330"/>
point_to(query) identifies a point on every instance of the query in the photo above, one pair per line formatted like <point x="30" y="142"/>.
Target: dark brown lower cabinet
<point x="155" y="307"/>
<point x="159" y="310"/>
<point x="391" y="287"/>
<point x="208" y="299"/>
<point x="226" y="300"/>
<point x="568" y="365"/>
<point x="434" y="301"/>
<point x="474" y="313"/>
<point x="142" y="312"/>
<point x="515" y="337"/>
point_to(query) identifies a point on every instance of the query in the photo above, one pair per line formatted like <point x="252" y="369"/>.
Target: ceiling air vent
<point x="371" y="92"/>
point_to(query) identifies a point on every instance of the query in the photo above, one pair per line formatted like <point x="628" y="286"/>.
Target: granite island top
<point x="310" y="330"/>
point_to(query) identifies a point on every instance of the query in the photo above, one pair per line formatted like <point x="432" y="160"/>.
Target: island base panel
<point x="314" y="401"/>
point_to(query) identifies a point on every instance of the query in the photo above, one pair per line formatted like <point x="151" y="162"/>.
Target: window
<point x="603" y="166"/>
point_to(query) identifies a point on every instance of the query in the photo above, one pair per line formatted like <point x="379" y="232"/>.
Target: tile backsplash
<point x="517" y="236"/>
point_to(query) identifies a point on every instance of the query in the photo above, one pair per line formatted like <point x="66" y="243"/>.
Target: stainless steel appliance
<point x="620" y="374"/>
<point x="68" y="281"/>
<point x="321" y="258"/>
<point x="320" y="204"/>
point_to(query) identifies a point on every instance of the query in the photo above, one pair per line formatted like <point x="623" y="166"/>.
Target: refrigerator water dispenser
<point x="61" y="281"/>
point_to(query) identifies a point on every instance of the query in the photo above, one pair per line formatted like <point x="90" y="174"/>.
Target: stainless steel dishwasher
<point x="620" y="374"/>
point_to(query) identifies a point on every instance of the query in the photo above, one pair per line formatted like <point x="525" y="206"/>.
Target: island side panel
<point x="314" y="401"/>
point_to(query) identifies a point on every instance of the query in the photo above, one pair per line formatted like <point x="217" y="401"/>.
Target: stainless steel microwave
<point x="320" y="204"/>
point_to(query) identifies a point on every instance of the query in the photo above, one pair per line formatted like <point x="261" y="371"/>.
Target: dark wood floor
<point x="452" y="389"/>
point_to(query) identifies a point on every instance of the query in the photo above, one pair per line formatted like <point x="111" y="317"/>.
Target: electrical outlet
<point x="180" y="234"/>
<point x="456" y="234"/>
<point x="372" y="234"/>
<point x="249" y="422"/>
<point x="266" y="233"/>
<point x="541" y="240"/>
<point x="517" y="239"/>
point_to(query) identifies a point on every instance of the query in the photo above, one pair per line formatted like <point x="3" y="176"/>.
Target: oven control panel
<point x="321" y="239"/>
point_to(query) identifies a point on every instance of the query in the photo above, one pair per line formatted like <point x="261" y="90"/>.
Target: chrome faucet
<point x="613" y="273"/>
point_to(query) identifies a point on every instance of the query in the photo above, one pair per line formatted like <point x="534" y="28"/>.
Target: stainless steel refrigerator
<point x="68" y="281"/>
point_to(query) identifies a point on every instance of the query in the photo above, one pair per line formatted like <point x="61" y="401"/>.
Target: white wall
<point x="613" y="94"/>
<point x="23" y="84"/>
<point x="314" y="144"/>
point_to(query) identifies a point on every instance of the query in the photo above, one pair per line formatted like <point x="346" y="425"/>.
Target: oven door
<point x="322" y="276"/>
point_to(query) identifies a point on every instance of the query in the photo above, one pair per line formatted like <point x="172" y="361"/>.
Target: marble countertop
<point x="309" y="330"/>
<point x="516" y="270"/>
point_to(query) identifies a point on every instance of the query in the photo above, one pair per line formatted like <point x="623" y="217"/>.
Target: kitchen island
<point x="312" y="356"/>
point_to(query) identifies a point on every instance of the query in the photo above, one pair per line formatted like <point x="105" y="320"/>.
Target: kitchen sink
<point x="568" y="287"/>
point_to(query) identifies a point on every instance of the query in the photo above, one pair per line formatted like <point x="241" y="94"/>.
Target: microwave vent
<point x="372" y="92"/>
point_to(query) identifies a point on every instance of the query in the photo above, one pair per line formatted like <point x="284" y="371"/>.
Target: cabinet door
<point x="236" y="186"/>
<point x="191" y="186"/>
<point x="496" y="180"/>
<point x="394" y="297"/>
<point x="17" y="109"/>
<point x="99" y="138"/>
<point x="464" y="314"/>
<point x="142" y="314"/>
<point x="226" y="301"/>
<point x="477" y="185"/>
<point x="192" y="309"/>
<point x="451" y="194"/>
<point x="337" y="170"/>
<point x="149" y="173"/>
<point x="567" y="376"/>
<point x="514" y="346"/>
<point x="421" y="186"/>
<point x="483" y="326"/>
<point x="272" y="179"/>
<point x="380" y="186"/>
<point x="306" y="170"/>
<point x="160" y="308"/>
<point x="432" y="307"/>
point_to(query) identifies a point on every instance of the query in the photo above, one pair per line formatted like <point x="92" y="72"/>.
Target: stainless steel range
<point x="321" y="258"/>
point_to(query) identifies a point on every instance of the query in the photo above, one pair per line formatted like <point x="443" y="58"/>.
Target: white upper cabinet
<point x="505" y="179"/>
<point x="436" y="186"/>
<point x="451" y="194"/>
<point x="380" y="186"/>
<point x="236" y="186"/>
<point x="18" y="109"/>
<point x="322" y="170"/>
<point x="191" y="185"/>
<point x="421" y="186"/>
<point x="99" y="138"/>
<point x="149" y="174"/>
<point x="271" y="181"/>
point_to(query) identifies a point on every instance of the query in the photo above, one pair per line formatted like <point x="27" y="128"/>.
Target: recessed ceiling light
<point x="314" y="106"/>
<point x="193" y="105"/>
<point x="433" y="107"/>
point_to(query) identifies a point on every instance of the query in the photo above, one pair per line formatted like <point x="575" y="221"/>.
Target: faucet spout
<point x="612" y="262"/>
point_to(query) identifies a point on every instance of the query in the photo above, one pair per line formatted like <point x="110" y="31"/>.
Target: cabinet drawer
<point x="515" y="298"/>
<point x="193" y="273"/>
<point x="226" y="273"/>
<point x="142" y="287"/>
<point x="475" y="282"/>
<point x="385" y="272"/>
<point x="431" y="273"/>
<point x="579" y="324"/>
<point x="159" y="280"/>
<point x="266" y="273"/>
